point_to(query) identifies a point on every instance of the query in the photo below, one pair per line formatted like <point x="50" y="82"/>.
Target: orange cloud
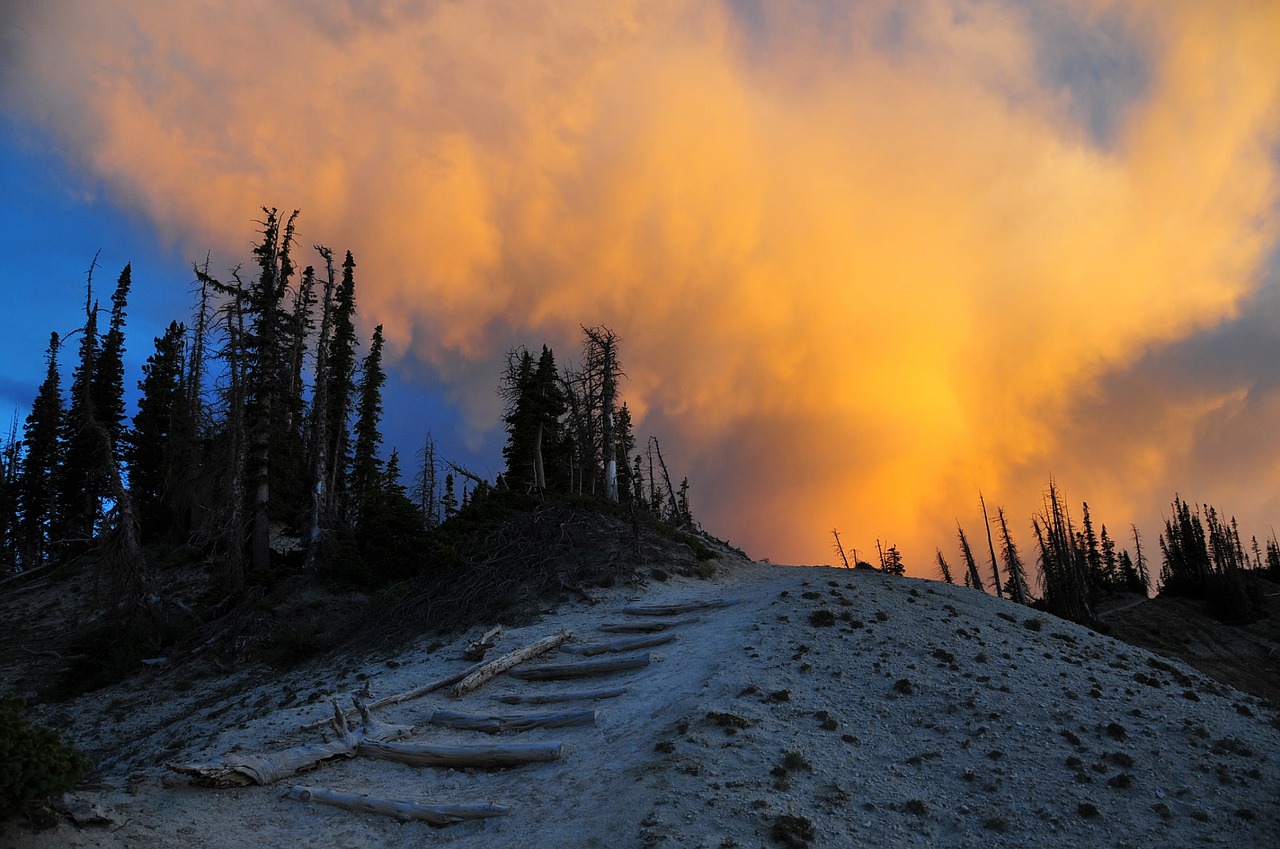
<point x="864" y="261"/>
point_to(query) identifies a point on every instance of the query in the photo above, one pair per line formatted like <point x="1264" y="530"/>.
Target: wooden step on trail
<point x="645" y="627"/>
<point x="499" y="723"/>
<point x="553" y="698"/>
<point x="404" y="811"/>
<point x="487" y="756"/>
<point x="618" y="646"/>
<point x="677" y="609"/>
<point x="582" y="669"/>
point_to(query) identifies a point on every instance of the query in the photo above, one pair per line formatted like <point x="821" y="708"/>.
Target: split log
<point x="244" y="770"/>
<point x="552" y="698"/>
<point x="676" y="609"/>
<point x="499" y="723"/>
<point x="646" y="627"/>
<point x="495" y="668"/>
<point x="431" y="687"/>
<point x="617" y="646"/>
<point x="435" y="814"/>
<point x="582" y="669"/>
<point x="489" y="757"/>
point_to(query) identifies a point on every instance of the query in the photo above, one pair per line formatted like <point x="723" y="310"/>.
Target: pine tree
<point x="149" y="446"/>
<point x="42" y="436"/>
<point x="366" y="468"/>
<point x="340" y="384"/>
<point x="1092" y="552"/>
<point x="425" y="485"/>
<point x="1013" y="566"/>
<point x="108" y="376"/>
<point x="1110" y="566"/>
<point x="449" y="501"/>
<point x="81" y="480"/>
<point x="995" y="567"/>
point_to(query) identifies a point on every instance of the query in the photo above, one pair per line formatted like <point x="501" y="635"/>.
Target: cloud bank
<point x="865" y="259"/>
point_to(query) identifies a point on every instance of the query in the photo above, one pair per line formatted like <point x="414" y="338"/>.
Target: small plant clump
<point x="792" y="831"/>
<point x="730" y="722"/>
<point x="38" y="764"/>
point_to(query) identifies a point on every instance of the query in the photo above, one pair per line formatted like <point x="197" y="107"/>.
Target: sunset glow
<point x="866" y="259"/>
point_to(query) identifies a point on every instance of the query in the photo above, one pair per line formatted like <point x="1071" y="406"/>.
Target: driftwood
<point x="431" y="687"/>
<point x="495" y="668"/>
<point x="676" y="609"/>
<point x="646" y="626"/>
<point x="244" y="770"/>
<point x="629" y="644"/>
<point x="498" y="723"/>
<point x="582" y="669"/>
<point x="423" y="755"/>
<point x="404" y="811"/>
<point x="553" y="698"/>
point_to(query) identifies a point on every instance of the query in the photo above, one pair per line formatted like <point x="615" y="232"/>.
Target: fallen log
<point x="582" y="669"/>
<point x="488" y="757"/>
<point x="430" y="687"/>
<point x="499" y="723"/>
<point x="676" y="609"/>
<point x="553" y="698"/>
<point x="646" y="627"/>
<point x="435" y="814"/>
<point x="495" y="668"/>
<point x="617" y="646"/>
<point x="244" y="770"/>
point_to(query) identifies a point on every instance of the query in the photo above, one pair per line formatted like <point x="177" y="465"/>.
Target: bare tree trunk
<point x="995" y="568"/>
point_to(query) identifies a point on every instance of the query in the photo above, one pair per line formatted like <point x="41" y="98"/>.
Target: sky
<point x="867" y="260"/>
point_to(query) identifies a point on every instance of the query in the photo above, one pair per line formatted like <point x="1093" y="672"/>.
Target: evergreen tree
<point x="366" y="468"/>
<point x="42" y="436"/>
<point x="534" y="453"/>
<point x="81" y="479"/>
<point x="449" y="501"/>
<point x="425" y="486"/>
<point x="108" y="376"/>
<point x="10" y="477"/>
<point x="1013" y="566"/>
<point x="1110" y="565"/>
<point x="149" y="447"/>
<point x="340" y="384"/>
<point x="1088" y="542"/>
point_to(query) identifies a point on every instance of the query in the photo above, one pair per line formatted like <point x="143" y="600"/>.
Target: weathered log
<point x="553" y="698"/>
<point x="617" y="646"/>
<point x="582" y="669"/>
<point x="435" y="814"/>
<point x="676" y="609"/>
<point x="495" y="668"/>
<point x="424" y="755"/>
<point x="243" y="770"/>
<point x="431" y="687"/>
<point x="499" y="723"/>
<point x="646" y="626"/>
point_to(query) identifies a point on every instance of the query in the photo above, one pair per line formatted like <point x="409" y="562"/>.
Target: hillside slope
<point x="823" y="707"/>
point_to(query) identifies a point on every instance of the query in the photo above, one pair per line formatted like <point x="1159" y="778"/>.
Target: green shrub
<point x="38" y="764"/>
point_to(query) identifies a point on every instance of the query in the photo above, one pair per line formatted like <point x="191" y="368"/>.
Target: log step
<point x="492" y="757"/>
<point x="496" y="724"/>
<point x="552" y="698"/>
<point x="428" y="812"/>
<point x="582" y="669"/>
<point x="618" y="646"/>
<point x="676" y="609"/>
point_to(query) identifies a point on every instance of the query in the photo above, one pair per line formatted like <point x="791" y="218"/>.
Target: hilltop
<point x="821" y="707"/>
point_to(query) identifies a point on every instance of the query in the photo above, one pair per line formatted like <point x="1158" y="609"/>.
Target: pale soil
<point x="923" y="715"/>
